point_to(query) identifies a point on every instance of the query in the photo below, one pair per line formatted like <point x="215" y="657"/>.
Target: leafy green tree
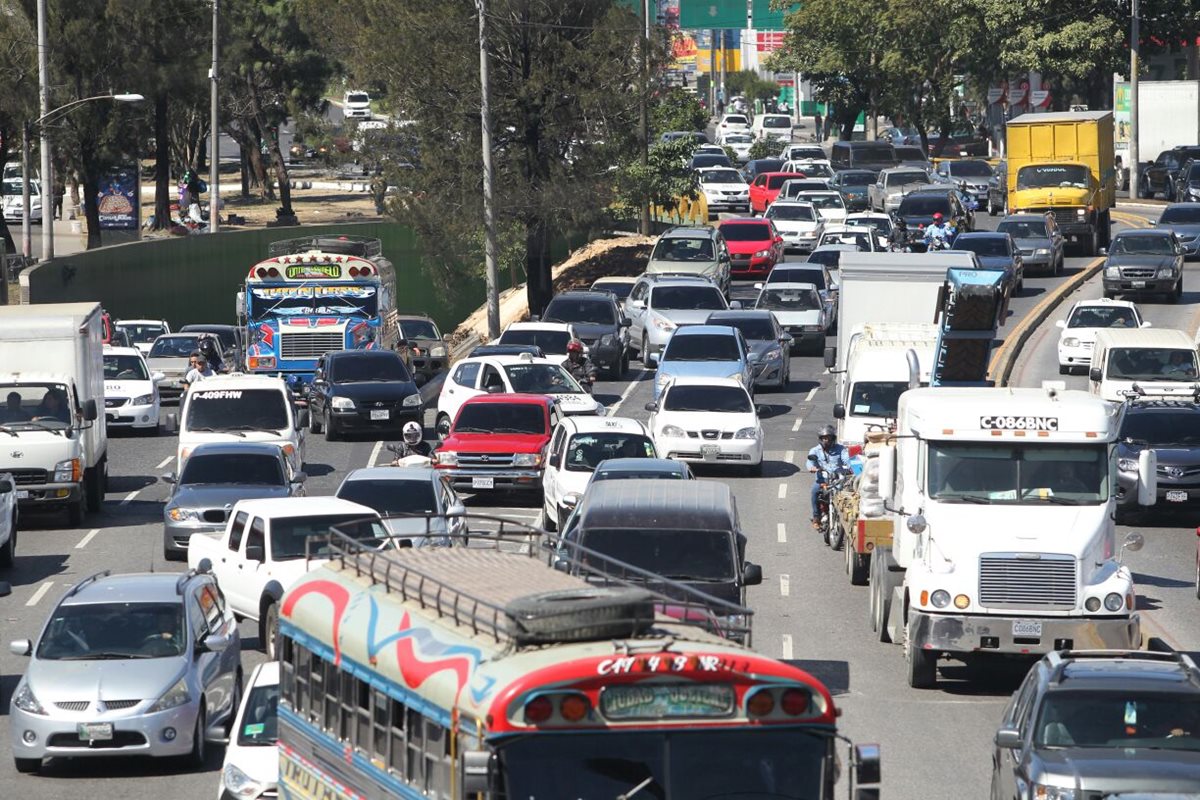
<point x="18" y="92"/>
<point x="764" y="148"/>
<point x="664" y="180"/>
<point x="749" y="84"/>
<point x="676" y="110"/>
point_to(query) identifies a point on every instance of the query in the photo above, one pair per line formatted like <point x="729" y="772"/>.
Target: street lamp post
<point x="27" y="128"/>
<point x="1134" y="155"/>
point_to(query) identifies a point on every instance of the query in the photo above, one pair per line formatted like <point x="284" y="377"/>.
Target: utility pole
<point x="1134" y="35"/>
<point x="489" y="220"/>
<point x="46" y="175"/>
<point x="214" y="134"/>
<point x="26" y="177"/>
<point x="644" y="113"/>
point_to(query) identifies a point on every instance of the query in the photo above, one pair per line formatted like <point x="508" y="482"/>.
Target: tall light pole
<point x="214" y="135"/>
<point x="489" y="220"/>
<point x="47" y="170"/>
<point x="1134" y="35"/>
<point x="644" y="113"/>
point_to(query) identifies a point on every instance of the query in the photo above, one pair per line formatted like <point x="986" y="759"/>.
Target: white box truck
<point x="1003" y="536"/>
<point x="879" y="368"/>
<point x="1168" y="116"/>
<point x="52" y="434"/>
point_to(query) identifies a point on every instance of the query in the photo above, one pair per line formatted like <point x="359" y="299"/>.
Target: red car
<point x="754" y="246"/>
<point x="498" y="441"/>
<point x="765" y="188"/>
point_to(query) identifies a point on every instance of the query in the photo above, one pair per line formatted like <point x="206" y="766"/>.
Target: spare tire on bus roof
<point x="580" y="615"/>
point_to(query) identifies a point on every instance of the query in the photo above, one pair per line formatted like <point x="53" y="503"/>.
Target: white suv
<point x="707" y="421"/>
<point x="241" y="408"/>
<point x="1087" y="317"/>
<point x="551" y="337"/>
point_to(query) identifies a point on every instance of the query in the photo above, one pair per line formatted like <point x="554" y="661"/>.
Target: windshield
<point x="289" y="534"/>
<point x="501" y="418"/>
<point x="788" y="299"/>
<point x="358" y="97"/>
<point x="35" y="405"/>
<point x="1103" y="317"/>
<point x="1151" y="363"/>
<point x="721" y="176"/>
<point x="620" y="289"/>
<point x="541" y="379"/>
<point x="738" y="138"/>
<point x="260" y="721"/>
<point x="683" y="249"/>
<point x="855" y="178"/>
<point x="876" y="398"/>
<point x="1050" y="176"/>
<point x="791" y="212"/>
<point x="882" y="155"/>
<point x="924" y="205"/>
<point x="970" y="169"/>
<point x="862" y="240"/>
<point x="779" y="179"/>
<point x="391" y="496"/>
<point x="986" y="473"/>
<point x="703" y="347"/>
<point x="363" y="368"/>
<point x="906" y="178"/>
<point x="760" y="763"/>
<point x="1169" y="159"/>
<point x="225" y="334"/>
<point x="141" y="334"/>
<point x="828" y="258"/>
<point x="770" y="121"/>
<point x="588" y="312"/>
<point x="124" y="368"/>
<point x="265" y="302"/>
<point x="815" y="170"/>
<point x="736" y="119"/>
<point x="878" y="224"/>
<point x="174" y="346"/>
<point x="231" y="469"/>
<point x="717" y="399"/>
<point x="551" y="342"/>
<point x="418" y="329"/>
<point x="677" y="554"/>
<point x="228" y="410"/>
<point x="983" y="245"/>
<point x="1161" y="427"/>
<point x="754" y="329"/>
<point x="687" y="298"/>
<point x="674" y="474"/>
<point x="88" y="631"/>
<point x="1023" y="230"/>
<point x="747" y="232"/>
<point x="827" y="200"/>
<point x="1142" y="246"/>
<point x="910" y="153"/>
<point x="1183" y="215"/>
<point x="585" y="451"/>
<point x="701" y="160"/>
<point x="1123" y="719"/>
<point x="793" y="275"/>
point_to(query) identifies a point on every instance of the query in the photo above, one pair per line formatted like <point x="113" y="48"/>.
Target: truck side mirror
<point x="830" y="357"/>
<point x="6" y="485"/>
<point x="301" y="418"/>
<point x="887" y="470"/>
<point x="171" y="425"/>
<point x="254" y="552"/>
<point x="839" y="411"/>
<point x="752" y="575"/>
<point x="1095" y="375"/>
<point x="89" y="410"/>
<point x="867" y="764"/>
<point x="1147" y="477"/>
<point x="478" y="768"/>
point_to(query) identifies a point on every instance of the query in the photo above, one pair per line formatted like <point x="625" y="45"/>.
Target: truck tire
<point x="92" y="493"/>
<point x="75" y="512"/>
<point x="442" y="426"/>
<point x="580" y="615"/>
<point x="549" y="519"/>
<point x="858" y="567"/>
<point x="268" y="630"/>
<point x="922" y="665"/>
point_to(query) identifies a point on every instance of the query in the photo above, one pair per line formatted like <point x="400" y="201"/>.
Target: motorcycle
<point x="831" y="532"/>
<point x="409" y="460"/>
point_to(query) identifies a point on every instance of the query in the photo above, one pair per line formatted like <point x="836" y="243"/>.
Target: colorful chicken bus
<point x="313" y="295"/>
<point x="477" y="672"/>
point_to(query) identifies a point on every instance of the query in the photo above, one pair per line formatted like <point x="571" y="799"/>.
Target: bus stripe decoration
<point x="459" y="659"/>
<point x="335" y="593"/>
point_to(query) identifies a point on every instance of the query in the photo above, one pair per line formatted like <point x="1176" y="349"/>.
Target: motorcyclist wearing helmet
<point x="579" y="365"/>
<point x="828" y="457"/>
<point x="939" y="230"/>
<point x="412" y="444"/>
<point x="899" y="236"/>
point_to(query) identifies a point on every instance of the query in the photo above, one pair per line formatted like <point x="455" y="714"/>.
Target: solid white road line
<point x="164" y="462"/>
<point x="789" y="456"/>
<point x="808" y="397"/>
<point x="781" y="533"/>
<point x="785" y="585"/>
<point x="39" y="594"/>
<point x="796" y="424"/>
<point x="787" y="647"/>
<point x="782" y="490"/>
<point x="84" y="541"/>
<point x="625" y="394"/>
<point x="375" y="453"/>
<point x="129" y="497"/>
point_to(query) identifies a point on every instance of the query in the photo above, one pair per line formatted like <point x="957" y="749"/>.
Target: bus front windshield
<point x="985" y="473"/>
<point x="268" y="302"/>
<point x="668" y="765"/>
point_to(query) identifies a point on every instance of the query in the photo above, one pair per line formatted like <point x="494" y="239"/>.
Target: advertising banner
<point x="119" y="200"/>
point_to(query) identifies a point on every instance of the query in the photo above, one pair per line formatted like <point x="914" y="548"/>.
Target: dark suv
<point x="1172" y="429"/>
<point x="362" y="391"/>
<point x="917" y="210"/>
<point x="1159" y="177"/>
<point x="597" y="320"/>
<point x="1098" y="724"/>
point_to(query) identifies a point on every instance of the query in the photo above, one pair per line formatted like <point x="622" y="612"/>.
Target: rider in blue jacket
<point x="828" y="458"/>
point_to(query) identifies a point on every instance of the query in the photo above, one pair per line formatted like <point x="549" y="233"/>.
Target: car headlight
<point x="143" y="400"/>
<point x="673" y="430"/>
<point x="527" y="460"/>
<point x="183" y="514"/>
<point x="1166" y="272"/>
<point x="1070" y="341"/>
<point x="174" y="697"/>
<point x="1041" y="251"/>
<point x="438" y="351"/>
<point x="447" y="458"/>
<point x="1127" y="464"/>
<point x="1041" y="792"/>
<point x="25" y="700"/>
<point x="341" y="404"/>
<point x="663" y="324"/>
<point x="1112" y="272"/>
<point x="1080" y="212"/>
<point x="67" y="471"/>
<point x="940" y="598"/>
<point x="413" y="400"/>
<point x="607" y="340"/>
<point x="239" y="784"/>
<point x="762" y="254"/>
<point x="746" y="433"/>
<point x="773" y="354"/>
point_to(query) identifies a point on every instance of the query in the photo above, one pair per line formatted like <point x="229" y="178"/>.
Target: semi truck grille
<point x="310" y="344"/>
<point x="1008" y="580"/>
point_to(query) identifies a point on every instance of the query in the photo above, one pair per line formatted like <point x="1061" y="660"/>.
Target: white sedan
<point x="251" y="766"/>
<point x="707" y="421"/>
<point x="829" y="205"/>
<point x="798" y="223"/>
<point x="724" y="189"/>
<point x="130" y="391"/>
<point x="801" y="311"/>
<point x="1079" y="329"/>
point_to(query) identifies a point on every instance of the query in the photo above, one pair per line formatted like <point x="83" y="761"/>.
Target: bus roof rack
<point x="487" y="586"/>
<point x="361" y="246"/>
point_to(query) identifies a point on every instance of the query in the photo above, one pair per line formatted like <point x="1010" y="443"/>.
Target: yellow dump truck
<point x="1062" y="162"/>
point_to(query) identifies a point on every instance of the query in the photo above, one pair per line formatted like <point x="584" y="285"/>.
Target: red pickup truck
<point x="498" y="441"/>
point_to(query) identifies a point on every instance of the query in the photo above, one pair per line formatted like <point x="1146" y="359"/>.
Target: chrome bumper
<point x="953" y="633"/>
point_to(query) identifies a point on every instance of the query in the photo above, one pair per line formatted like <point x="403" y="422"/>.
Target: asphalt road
<point x="806" y="610"/>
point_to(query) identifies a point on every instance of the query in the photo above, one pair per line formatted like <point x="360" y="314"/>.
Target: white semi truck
<point x="52" y="431"/>
<point x="1003" y="540"/>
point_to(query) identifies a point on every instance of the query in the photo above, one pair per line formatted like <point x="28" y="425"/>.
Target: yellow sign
<point x="313" y="271"/>
<point x="303" y="781"/>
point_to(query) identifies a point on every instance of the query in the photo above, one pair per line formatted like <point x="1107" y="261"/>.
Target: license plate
<point x="483" y="483"/>
<point x="1138" y="284"/>
<point x="380" y="413"/>
<point x="22" y="494"/>
<point x="95" y="731"/>
<point x="1030" y="628"/>
<point x="1177" y="497"/>
<point x="710" y="451"/>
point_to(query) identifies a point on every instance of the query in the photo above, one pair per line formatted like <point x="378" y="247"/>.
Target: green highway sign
<point x="764" y="18"/>
<point x="700" y="14"/>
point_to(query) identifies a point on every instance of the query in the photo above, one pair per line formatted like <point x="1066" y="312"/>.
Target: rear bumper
<point x="954" y="633"/>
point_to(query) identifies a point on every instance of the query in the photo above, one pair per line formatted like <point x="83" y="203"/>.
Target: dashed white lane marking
<point x="625" y="394"/>
<point x="781" y="532"/>
<point x="39" y="594"/>
<point x="796" y="424"/>
<point x="87" y="538"/>
<point x="782" y="490"/>
<point x="785" y="585"/>
<point x="129" y="497"/>
<point x="808" y="397"/>
<point x="789" y="456"/>
<point x="165" y="461"/>
<point x="375" y="453"/>
<point x="787" y="647"/>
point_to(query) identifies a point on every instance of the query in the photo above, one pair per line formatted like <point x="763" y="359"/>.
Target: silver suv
<point x="142" y="664"/>
<point x="658" y="304"/>
<point x="698" y="250"/>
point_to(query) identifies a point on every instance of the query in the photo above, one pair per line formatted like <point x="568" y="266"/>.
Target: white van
<point x="356" y="104"/>
<point x="773" y="126"/>
<point x="241" y="408"/>
<point x="1157" y="361"/>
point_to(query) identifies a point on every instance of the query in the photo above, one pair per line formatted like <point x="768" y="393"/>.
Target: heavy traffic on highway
<point x="857" y="468"/>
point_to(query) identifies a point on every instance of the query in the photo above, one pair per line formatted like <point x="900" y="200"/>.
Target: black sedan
<point x="1159" y="177"/>
<point x="362" y="391"/>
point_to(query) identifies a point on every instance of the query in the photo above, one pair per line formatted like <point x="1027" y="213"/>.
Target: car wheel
<point x="442" y="426"/>
<point x="1177" y="295"/>
<point x="314" y="425"/>
<point x="9" y="553"/>
<point x="331" y="433"/>
<point x="647" y="362"/>
<point x="199" y="751"/>
<point x="27" y="766"/>
<point x="268" y="631"/>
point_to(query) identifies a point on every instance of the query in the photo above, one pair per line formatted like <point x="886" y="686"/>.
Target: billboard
<point x="119" y="200"/>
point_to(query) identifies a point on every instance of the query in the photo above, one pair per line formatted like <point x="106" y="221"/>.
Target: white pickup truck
<point x="266" y="548"/>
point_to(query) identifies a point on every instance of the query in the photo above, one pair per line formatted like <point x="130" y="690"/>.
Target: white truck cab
<point x="878" y="370"/>
<point x="1004" y="541"/>
<point x="1158" y="362"/>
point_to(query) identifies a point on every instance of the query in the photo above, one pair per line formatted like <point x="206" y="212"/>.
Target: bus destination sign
<point x="667" y="701"/>
<point x="305" y="271"/>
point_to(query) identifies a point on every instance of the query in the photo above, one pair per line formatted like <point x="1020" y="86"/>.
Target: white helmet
<point x="411" y="432"/>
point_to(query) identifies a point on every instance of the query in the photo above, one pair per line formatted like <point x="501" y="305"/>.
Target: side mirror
<point x="839" y="411"/>
<point x="1094" y="374"/>
<point x="887" y="470"/>
<point x="867" y="764"/>
<point x="625" y="322"/>
<point x="1146" y="324"/>
<point x="477" y="769"/>
<point x="456" y="510"/>
<point x="723" y="258"/>
<point x="1147" y="477"/>
<point x="830" y="357"/>
<point x="89" y="410"/>
<point x="157" y="376"/>
<point x="168" y="477"/>
<point x="171" y="425"/>
<point x="254" y="552"/>
<point x="1103" y="251"/>
<point x="300" y="477"/>
<point x="20" y="647"/>
<point x="216" y="643"/>
<point x="1134" y="541"/>
<point x="752" y="575"/>
<point x="786" y="338"/>
<point x="758" y="286"/>
<point x="1008" y="738"/>
<point x="493" y="389"/>
<point x="1062" y="323"/>
<point x="651" y="406"/>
